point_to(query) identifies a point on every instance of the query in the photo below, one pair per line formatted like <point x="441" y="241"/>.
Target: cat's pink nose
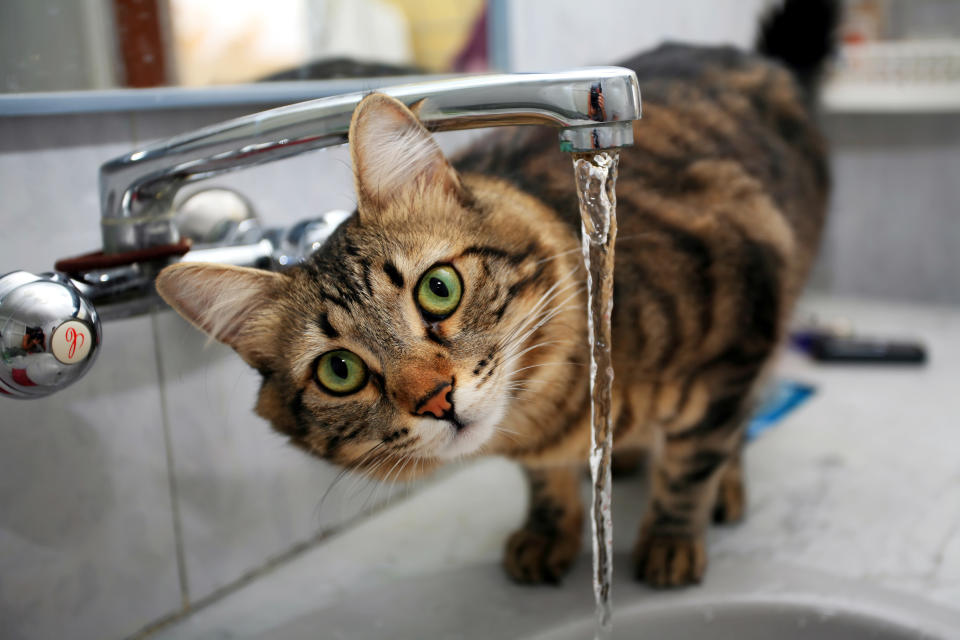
<point x="436" y="402"/>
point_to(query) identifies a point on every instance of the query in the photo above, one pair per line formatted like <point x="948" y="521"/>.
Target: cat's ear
<point x="221" y="300"/>
<point x="393" y="153"/>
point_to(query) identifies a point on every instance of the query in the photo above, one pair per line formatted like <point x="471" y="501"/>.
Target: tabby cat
<point x="446" y="318"/>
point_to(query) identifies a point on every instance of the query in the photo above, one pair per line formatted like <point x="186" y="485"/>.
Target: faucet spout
<point x="593" y="108"/>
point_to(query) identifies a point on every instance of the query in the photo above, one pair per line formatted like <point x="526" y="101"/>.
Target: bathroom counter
<point x="854" y="496"/>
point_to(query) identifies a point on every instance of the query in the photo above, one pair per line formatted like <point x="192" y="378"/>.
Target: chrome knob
<point x="49" y="334"/>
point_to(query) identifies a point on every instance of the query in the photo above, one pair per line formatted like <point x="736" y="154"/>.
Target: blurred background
<point x="149" y="491"/>
<point x="59" y="45"/>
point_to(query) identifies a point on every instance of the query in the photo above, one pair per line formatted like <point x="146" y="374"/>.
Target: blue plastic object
<point x="783" y="397"/>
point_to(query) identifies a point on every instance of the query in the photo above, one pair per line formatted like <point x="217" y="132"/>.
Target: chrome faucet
<point x="593" y="109"/>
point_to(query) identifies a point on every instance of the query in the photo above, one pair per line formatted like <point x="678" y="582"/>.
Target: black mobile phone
<point x="826" y="348"/>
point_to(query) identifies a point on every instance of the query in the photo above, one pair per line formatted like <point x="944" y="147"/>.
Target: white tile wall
<point x="87" y="544"/>
<point x="557" y="34"/>
<point x="49" y="203"/>
<point x="894" y="229"/>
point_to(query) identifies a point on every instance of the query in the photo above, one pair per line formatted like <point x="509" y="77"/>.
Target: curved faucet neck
<point x="593" y="108"/>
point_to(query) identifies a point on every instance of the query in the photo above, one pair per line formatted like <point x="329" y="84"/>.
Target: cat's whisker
<point x="537" y="320"/>
<point x="524" y="385"/>
<point x="551" y="294"/>
<point x="372" y="487"/>
<point x="517" y="353"/>
<point x="366" y="457"/>
<point x="393" y="468"/>
<point x="406" y="460"/>
<point x="514" y="356"/>
<point x="362" y="484"/>
<point x="558" y="255"/>
<point x="386" y="482"/>
<point x="531" y="348"/>
<point x="547" y="316"/>
<point x="358" y="466"/>
<point x="384" y="458"/>
<point x="517" y="343"/>
<point x="555" y="383"/>
<point x="509" y="434"/>
<point x="512" y="383"/>
<point x="382" y="488"/>
<point x="502" y="428"/>
<point x="366" y="477"/>
<point x="548" y="364"/>
<point x="375" y="488"/>
<point x="548" y="296"/>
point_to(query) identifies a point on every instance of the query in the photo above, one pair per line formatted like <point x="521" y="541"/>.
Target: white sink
<point x="754" y="620"/>
<point x="735" y="602"/>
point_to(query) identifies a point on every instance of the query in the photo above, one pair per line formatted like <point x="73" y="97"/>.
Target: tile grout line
<point x="272" y="563"/>
<point x="171" y="475"/>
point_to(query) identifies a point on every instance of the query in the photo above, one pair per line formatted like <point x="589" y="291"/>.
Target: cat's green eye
<point x="439" y="291"/>
<point x="341" y="372"/>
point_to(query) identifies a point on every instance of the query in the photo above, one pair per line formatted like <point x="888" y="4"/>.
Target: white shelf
<point x="865" y="97"/>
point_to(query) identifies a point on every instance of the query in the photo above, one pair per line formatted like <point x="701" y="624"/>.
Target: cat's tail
<point x="802" y="34"/>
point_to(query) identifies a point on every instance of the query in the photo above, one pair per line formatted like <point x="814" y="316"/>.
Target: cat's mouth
<point x="457" y="421"/>
<point x="467" y="425"/>
<point x="464" y="436"/>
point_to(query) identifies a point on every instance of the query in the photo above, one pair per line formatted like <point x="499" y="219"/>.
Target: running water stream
<point x="596" y="177"/>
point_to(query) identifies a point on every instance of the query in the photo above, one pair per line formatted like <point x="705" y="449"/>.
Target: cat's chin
<point x="466" y="440"/>
<point x="452" y="441"/>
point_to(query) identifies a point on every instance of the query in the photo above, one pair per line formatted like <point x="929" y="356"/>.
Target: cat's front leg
<point x="731" y="496"/>
<point x="693" y="461"/>
<point x="545" y="548"/>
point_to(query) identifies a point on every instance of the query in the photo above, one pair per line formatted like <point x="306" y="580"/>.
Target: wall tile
<point x="86" y="531"/>
<point x="470" y="512"/>
<point x="894" y="225"/>
<point x="48" y="178"/>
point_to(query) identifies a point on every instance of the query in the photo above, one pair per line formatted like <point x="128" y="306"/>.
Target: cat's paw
<point x="532" y="557"/>
<point x="664" y="561"/>
<point x="731" y="498"/>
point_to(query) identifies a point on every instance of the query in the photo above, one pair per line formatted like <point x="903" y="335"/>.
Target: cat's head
<point x="431" y="325"/>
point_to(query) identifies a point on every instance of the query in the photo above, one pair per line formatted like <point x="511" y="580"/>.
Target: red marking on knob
<point x="72" y="337"/>
<point x="21" y="378"/>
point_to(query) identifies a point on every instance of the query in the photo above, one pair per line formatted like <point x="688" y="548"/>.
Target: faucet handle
<point x="49" y="334"/>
